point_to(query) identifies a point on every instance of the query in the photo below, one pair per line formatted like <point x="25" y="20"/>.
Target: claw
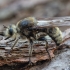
<point x="30" y="63"/>
<point x="48" y="54"/>
<point x="9" y="52"/>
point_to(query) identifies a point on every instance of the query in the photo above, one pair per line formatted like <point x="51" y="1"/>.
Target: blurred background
<point x="11" y="11"/>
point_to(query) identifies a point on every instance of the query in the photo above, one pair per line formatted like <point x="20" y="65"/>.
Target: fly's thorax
<point x="26" y="31"/>
<point x="27" y="22"/>
<point x="32" y="21"/>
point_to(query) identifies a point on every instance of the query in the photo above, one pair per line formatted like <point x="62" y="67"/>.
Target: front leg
<point x="11" y="40"/>
<point x="14" y="45"/>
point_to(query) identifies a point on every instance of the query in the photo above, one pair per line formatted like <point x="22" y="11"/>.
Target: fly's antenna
<point x="4" y="26"/>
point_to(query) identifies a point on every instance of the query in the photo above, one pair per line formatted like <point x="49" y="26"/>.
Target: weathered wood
<point x="21" y="55"/>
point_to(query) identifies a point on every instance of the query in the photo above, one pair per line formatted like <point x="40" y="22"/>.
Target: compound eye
<point x="11" y="31"/>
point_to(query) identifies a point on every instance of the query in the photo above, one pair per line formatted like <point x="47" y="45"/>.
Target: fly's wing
<point x="53" y="22"/>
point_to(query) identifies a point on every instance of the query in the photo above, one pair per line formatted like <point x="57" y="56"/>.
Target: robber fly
<point x="28" y="27"/>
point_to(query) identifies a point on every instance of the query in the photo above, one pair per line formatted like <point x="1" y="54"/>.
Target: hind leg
<point x="45" y="39"/>
<point x="30" y="51"/>
<point x="48" y="50"/>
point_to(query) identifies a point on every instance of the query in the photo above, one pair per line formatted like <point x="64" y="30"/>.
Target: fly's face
<point x="10" y="31"/>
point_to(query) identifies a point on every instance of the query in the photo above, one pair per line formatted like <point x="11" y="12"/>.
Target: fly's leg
<point x="14" y="45"/>
<point x="30" y="51"/>
<point x="7" y="38"/>
<point x="11" y="40"/>
<point x="47" y="49"/>
<point x="45" y="39"/>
